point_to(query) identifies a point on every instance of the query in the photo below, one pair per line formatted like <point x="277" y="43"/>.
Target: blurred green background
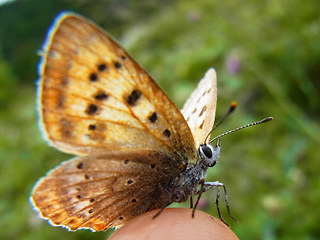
<point x="267" y="57"/>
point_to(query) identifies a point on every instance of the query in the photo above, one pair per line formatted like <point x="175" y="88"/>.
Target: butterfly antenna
<point x="245" y="126"/>
<point x="224" y="117"/>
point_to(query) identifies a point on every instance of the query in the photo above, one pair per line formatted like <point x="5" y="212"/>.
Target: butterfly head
<point x="209" y="154"/>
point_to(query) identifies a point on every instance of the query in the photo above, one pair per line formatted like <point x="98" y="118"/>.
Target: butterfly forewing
<point x="200" y="108"/>
<point x="95" y="97"/>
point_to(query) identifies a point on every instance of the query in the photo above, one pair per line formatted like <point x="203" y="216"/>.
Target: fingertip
<point x="174" y="223"/>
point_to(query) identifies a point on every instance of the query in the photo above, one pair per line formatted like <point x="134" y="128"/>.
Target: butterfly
<point x="135" y="150"/>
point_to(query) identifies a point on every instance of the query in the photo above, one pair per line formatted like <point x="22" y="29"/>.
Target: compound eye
<point x="206" y="151"/>
<point x="209" y="154"/>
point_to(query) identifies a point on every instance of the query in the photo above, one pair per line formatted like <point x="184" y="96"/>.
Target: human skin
<point x="174" y="223"/>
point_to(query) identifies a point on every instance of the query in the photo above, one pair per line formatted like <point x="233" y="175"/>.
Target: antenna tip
<point x="233" y="106"/>
<point x="266" y="119"/>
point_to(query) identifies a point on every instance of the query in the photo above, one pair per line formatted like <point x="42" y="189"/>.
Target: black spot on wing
<point x="102" y="67"/>
<point x="92" y="127"/>
<point x="153" y="117"/>
<point x="93" y="77"/>
<point x="166" y="133"/>
<point x="80" y="165"/>
<point x="117" y="65"/>
<point x="91" y="109"/>
<point x="101" y="96"/>
<point x="133" y="98"/>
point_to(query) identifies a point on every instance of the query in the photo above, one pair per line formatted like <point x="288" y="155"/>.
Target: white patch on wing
<point x="200" y="108"/>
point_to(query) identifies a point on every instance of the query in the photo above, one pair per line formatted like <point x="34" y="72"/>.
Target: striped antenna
<point x="233" y="106"/>
<point x="239" y="128"/>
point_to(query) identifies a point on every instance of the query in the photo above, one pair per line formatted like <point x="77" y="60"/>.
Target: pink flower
<point x="233" y="64"/>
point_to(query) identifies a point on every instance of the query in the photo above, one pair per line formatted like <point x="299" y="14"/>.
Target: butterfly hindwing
<point x="200" y="108"/>
<point x="104" y="190"/>
<point x="95" y="97"/>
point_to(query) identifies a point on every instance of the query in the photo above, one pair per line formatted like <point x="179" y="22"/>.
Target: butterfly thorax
<point x="186" y="184"/>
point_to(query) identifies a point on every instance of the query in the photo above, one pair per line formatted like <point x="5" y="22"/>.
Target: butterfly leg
<point x="218" y="185"/>
<point x="164" y="195"/>
<point x="191" y="202"/>
<point x="199" y="193"/>
<point x="159" y="212"/>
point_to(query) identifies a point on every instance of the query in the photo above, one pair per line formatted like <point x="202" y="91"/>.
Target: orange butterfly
<point x="137" y="151"/>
